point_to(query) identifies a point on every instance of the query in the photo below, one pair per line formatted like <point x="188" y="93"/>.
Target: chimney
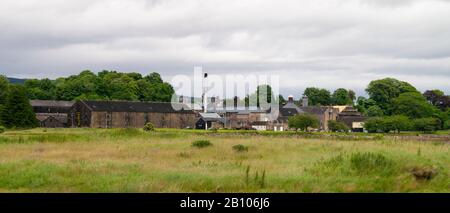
<point x="291" y="99"/>
<point x="235" y="104"/>
<point x="305" y="101"/>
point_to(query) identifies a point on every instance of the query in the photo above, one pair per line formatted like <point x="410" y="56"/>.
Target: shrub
<point x="374" y="125"/>
<point x="2" y="129"/>
<point x="366" y="162"/>
<point x="426" y="124"/>
<point x="240" y="148"/>
<point x="201" y="143"/>
<point x="336" y="126"/>
<point x="397" y="123"/>
<point x="303" y="121"/>
<point x="424" y="173"/>
<point x="149" y="127"/>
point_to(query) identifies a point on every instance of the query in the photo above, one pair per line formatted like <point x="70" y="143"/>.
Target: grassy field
<point x="130" y="160"/>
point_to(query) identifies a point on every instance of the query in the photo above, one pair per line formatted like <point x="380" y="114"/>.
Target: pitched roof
<point x="133" y="106"/>
<point x="48" y="103"/>
<point x="315" y="110"/>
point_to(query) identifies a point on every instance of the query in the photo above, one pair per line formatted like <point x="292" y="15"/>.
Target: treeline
<point x="393" y="105"/>
<point x="105" y="85"/>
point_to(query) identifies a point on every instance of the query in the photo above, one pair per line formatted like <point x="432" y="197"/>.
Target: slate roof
<point x="315" y="110"/>
<point x="44" y="106"/>
<point x="133" y="106"/>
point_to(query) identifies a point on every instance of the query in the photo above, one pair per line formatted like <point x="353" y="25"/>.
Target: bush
<point x="386" y="124"/>
<point x="303" y="122"/>
<point x="424" y="173"/>
<point x="2" y="129"/>
<point x="426" y="124"/>
<point x="149" y="127"/>
<point x="366" y="162"/>
<point x="240" y="148"/>
<point x="373" y="125"/>
<point x="336" y="126"/>
<point x="201" y="143"/>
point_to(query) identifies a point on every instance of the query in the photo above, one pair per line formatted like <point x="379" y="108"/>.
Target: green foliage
<point x="342" y="97"/>
<point x="240" y="148"/>
<point x="383" y="91"/>
<point x="2" y="129"/>
<point x="398" y="123"/>
<point x="201" y="143"/>
<point x="336" y="126"/>
<point x="17" y="111"/>
<point x="390" y="123"/>
<point x="369" y="162"/>
<point x="413" y="105"/>
<point x="303" y="122"/>
<point x="149" y="127"/>
<point x="374" y="111"/>
<point x="318" y="96"/>
<point x="426" y="124"/>
<point x="106" y="85"/>
<point x="3" y="89"/>
<point x="375" y="124"/>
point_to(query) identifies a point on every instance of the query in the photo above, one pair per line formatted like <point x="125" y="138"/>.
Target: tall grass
<point x="131" y="160"/>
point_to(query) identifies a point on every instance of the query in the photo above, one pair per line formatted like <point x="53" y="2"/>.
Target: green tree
<point x="397" y="123"/>
<point x="40" y="89"/>
<point x="352" y="95"/>
<point x="375" y="124"/>
<point x="413" y="105"/>
<point x="374" y="111"/>
<point x="341" y="97"/>
<point x="303" y="122"/>
<point x="17" y="111"/>
<point x="426" y="124"/>
<point x="383" y="91"/>
<point x="336" y="126"/>
<point x="318" y="96"/>
<point x="3" y="89"/>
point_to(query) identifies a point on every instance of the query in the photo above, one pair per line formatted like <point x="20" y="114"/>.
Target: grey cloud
<point x="325" y="41"/>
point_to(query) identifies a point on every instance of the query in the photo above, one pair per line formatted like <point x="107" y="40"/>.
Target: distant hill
<point x="16" y="80"/>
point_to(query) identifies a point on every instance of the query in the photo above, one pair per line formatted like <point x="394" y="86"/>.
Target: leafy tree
<point x="352" y="95"/>
<point x="438" y="99"/>
<point x="413" y="105"/>
<point x="3" y="89"/>
<point x="86" y="83"/>
<point x="40" y="89"/>
<point x="341" y="97"/>
<point x="374" y="111"/>
<point x="397" y="123"/>
<point x="17" y="111"/>
<point x="383" y="91"/>
<point x="363" y="104"/>
<point x="303" y="122"/>
<point x="426" y="124"/>
<point x="433" y="95"/>
<point x="336" y="126"/>
<point x="318" y="96"/>
<point x="375" y="124"/>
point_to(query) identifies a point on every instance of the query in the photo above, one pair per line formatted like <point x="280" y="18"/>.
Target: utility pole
<point x="205" y="99"/>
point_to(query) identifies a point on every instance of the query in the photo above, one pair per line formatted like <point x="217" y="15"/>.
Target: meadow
<point x="131" y="160"/>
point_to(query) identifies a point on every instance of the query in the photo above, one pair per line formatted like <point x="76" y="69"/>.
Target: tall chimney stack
<point x="305" y="101"/>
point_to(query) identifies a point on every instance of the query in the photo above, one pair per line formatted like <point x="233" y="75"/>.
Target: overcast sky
<point x="323" y="43"/>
